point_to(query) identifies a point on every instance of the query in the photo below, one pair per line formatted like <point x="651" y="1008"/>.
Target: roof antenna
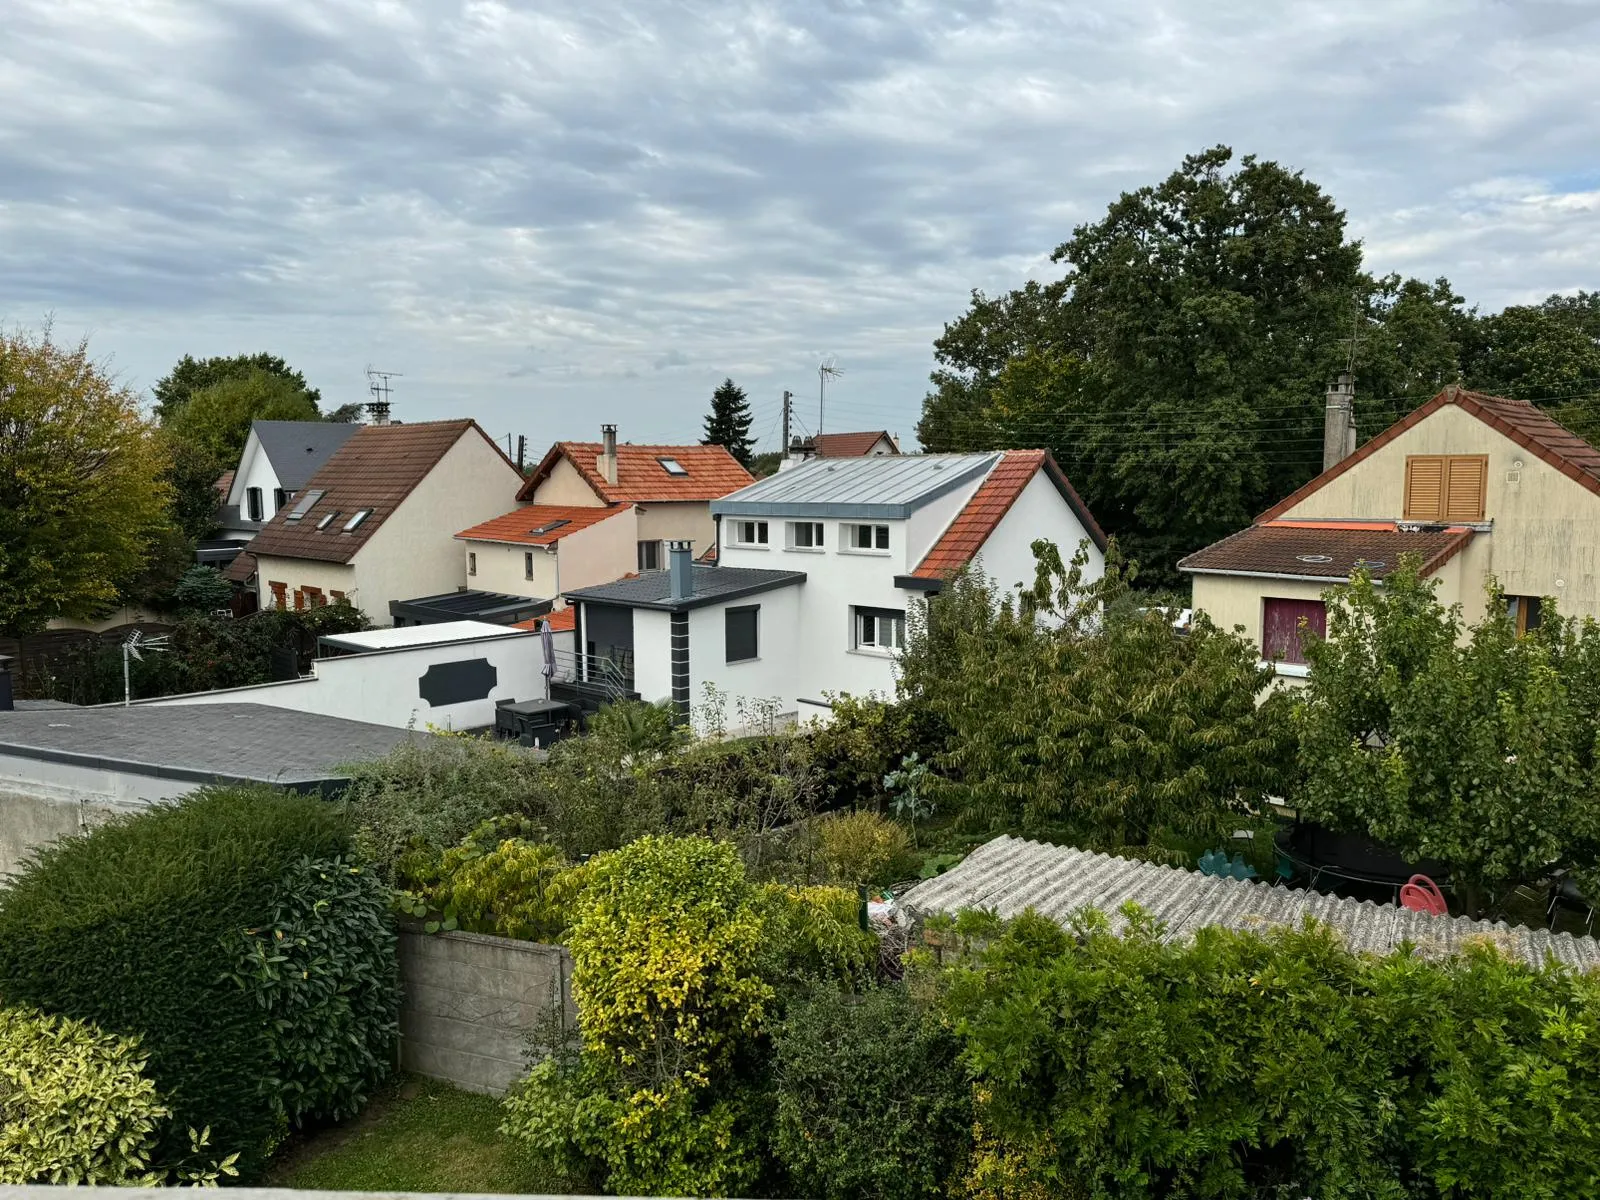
<point x="378" y="384"/>
<point x="829" y="369"/>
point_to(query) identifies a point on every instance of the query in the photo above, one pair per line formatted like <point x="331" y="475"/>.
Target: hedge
<point x="152" y="925"/>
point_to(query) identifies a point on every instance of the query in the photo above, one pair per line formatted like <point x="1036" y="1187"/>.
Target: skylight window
<point x="307" y="502"/>
<point x="354" y="522"/>
<point x="672" y="466"/>
<point x="328" y="519"/>
<point x="547" y="527"/>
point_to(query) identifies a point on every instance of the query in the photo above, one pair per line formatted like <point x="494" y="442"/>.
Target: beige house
<point x="1476" y="485"/>
<point x="593" y="512"/>
<point x="376" y="524"/>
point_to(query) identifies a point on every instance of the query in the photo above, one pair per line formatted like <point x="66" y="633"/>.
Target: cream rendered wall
<point x="1040" y="512"/>
<point x="667" y="522"/>
<point x="601" y="553"/>
<point x="309" y="572"/>
<point x="1546" y="526"/>
<point x="501" y="569"/>
<point x="1235" y="601"/>
<point x="566" y="486"/>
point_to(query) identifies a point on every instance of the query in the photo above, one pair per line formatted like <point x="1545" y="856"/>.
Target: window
<point x="527" y="564"/>
<point x="744" y="626"/>
<point x="252" y="504"/>
<point x="1445" y="487"/>
<point x="749" y="533"/>
<point x="354" y="522"/>
<point x="280" y="593"/>
<point x="672" y="467"/>
<point x="280" y="497"/>
<point x="805" y="535"/>
<point x="880" y="629"/>
<point x="649" y="556"/>
<point x="866" y="537"/>
<point x="472" y="562"/>
<point x="328" y="519"/>
<point x="1526" y="612"/>
<point x="307" y="503"/>
<point x="1281" y="628"/>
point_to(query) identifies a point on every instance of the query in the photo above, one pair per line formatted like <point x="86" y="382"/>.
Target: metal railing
<point x="609" y="674"/>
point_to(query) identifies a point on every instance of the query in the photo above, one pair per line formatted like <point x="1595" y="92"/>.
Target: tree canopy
<point x="216" y="419"/>
<point x="82" y="489"/>
<point x="728" y="422"/>
<point x="191" y="375"/>
<point x="1177" y="369"/>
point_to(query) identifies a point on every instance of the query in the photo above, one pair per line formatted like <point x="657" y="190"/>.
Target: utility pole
<point x="522" y="451"/>
<point x="788" y="401"/>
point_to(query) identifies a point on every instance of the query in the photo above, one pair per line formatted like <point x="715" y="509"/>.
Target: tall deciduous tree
<point x="728" y="422"/>
<point x="217" y="418"/>
<point x="1473" y="747"/>
<point x="82" y="489"/>
<point x="191" y="375"/>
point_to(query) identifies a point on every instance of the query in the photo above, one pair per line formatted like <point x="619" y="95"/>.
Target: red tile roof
<point x="982" y="515"/>
<point x="1327" y="549"/>
<point x="224" y="483"/>
<point x="850" y="445"/>
<point x="241" y="568"/>
<point x="1529" y="426"/>
<point x="641" y="479"/>
<point x="539" y="524"/>
<point x="376" y="469"/>
<point x="563" y="620"/>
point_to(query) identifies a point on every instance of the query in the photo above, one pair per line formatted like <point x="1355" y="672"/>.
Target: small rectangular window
<point x="750" y="533"/>
<point x="527" y="564"/>
<point x="472" y="563"/>
<point x="354" y="522"/>
<point x="1445" y="487"/>
<point x="252" y="504"/>
<point x="867" y="537"/>
<point x="743" y="628"/>
<point x="650" y="556"/>
<point x="880" y="629"/>
<point x="1281" y="627"/>
<point x="805" y="535"/>
<point x="1526" y="612"/>
<point x="280" y="497"/>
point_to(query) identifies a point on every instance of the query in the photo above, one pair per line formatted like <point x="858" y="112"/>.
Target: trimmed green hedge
<point x="181" y="925"/>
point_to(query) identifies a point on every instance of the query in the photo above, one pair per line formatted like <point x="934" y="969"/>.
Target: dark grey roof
<point x="1010" y="874"/>
<point x="229" y="743"/>
<point x="297" y="449"/>
<point x="887" y="487"/>
<point x="712" y="585"/>
<point x="43" y="705"/>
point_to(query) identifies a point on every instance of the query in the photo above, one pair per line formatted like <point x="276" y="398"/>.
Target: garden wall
<point x="472" y="1001"/>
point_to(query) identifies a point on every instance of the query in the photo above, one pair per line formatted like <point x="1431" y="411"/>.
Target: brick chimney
<point x="680" y="566"/>
<point x="607" y="465"/>
<point x="1339" y="422"/>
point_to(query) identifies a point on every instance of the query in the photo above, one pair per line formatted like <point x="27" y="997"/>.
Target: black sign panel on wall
<point x="457" y="682"/>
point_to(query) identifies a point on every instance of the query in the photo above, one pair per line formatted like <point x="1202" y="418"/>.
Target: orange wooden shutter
<point x="1465" y="481"/>
<point x="1425" y="475"/>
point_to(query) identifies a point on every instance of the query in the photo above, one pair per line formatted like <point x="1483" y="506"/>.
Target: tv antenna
<point x="828" y="369"/>
<point x="378" y="384"/>
<point x="136" y="647"/>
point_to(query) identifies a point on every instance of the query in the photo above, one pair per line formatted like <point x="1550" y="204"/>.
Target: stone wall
<point x="472" y="1002"/>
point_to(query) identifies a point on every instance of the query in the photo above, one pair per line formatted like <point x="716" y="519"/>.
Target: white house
<point x="279" y="458"/>
<point x="376" y="525"/>
<point x="817" y="567"/>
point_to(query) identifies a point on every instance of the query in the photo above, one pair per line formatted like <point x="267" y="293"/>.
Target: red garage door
<point x="1280" y="627"/>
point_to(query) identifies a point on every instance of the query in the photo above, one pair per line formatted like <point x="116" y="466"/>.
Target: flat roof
<point x="712" y="585"/>
<point x="887" y="487"/>
<point x="419" y="635"/>
<point x="204" y="743"/>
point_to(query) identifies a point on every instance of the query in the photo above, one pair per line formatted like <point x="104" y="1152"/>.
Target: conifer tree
<point x="728" y="422"/>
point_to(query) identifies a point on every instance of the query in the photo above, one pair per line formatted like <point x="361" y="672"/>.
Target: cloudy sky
<point x="548" y="215"/>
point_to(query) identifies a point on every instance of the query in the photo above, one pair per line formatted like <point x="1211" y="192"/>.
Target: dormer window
<point x="672" y="467"/>
<point x="354" y="522"/>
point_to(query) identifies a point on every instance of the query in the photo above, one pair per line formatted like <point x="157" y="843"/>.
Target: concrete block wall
<point x="472" y="1002"/>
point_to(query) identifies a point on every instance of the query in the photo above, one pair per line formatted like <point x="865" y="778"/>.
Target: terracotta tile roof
<point x="965" y="535"/>
<point x="224" y="483"/>
<point x="850" y="445"/>
<point x="376" y="469"/>
<point x="641" y="479"/>
<point x="1327" y="549"/>
<point x="539" y="524"/>
<point x="1524" y="423"/>
<point x="562" y="620"/>
<point x="241" y="568"/>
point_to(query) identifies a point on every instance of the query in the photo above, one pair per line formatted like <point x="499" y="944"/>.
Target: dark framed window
<point x="252" y="504"/>
<point x="744" y="632"/>
<point x="1281" y="628"/>
<point x="1526" y="612"/>
<point x="880" y="629"/>
<point x="472" y="563"/>
<point x="649" y="556"/>
<point x="280" y="497"/>
<point x="527" y="564"/>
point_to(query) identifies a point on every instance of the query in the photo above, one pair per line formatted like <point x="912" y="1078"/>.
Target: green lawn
<point x="417" y="1135"/>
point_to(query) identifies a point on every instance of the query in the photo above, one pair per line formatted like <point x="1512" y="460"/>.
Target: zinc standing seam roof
<point x="888" y="486"/>
<point x="1011" y="874"/>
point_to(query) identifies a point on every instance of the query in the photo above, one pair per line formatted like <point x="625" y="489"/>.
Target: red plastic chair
<point x="1421" y="894"/>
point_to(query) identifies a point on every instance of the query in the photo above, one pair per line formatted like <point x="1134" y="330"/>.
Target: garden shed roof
<point x="1011" y="874"/>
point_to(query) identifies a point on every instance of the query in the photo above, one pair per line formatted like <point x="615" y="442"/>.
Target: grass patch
<point x="417" y="1135"/>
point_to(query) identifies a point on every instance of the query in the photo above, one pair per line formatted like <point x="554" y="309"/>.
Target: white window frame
<point x="759" y="530"/>
<point x="814" y="531"/>
<point x="880" y="538"/>
<point x="868" y="624"/>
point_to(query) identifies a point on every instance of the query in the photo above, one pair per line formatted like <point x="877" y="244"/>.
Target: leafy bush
<point x="202" y="589"/>
<point x="1240" y="1065"/>
<point x="140" y="927"/>
<point x="75" y="1104"/>
<point x="863" y="740"/>
<point x="872" y="1101"/>
<point x="861" y="847"/>
<point x="498" y="881"/>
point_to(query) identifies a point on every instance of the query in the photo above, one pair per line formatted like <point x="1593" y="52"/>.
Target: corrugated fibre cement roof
<point x="1009" y="875"/>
